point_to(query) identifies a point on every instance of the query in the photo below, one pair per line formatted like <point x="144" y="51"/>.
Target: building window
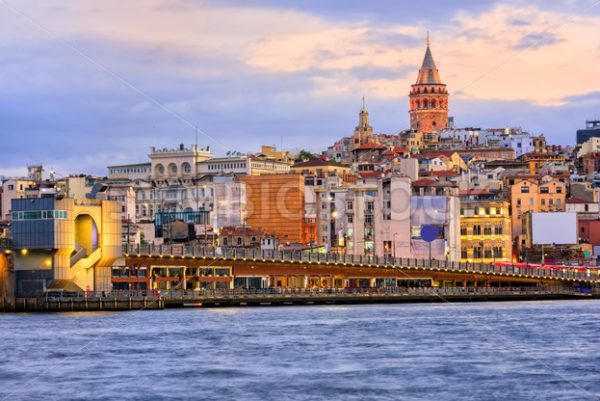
<point x="463" y="230"/>
<point x="476" y="230"/>
<point x="524" y="189"/>
<point x="477" y="252"/>
<point x="463" y="254"/>
<point x="497" y="252"/>
<point x="488" y="253"/>
<point x="498" y="230"/>
<point x="487" y="230"/>
<point x="544" y="190"/>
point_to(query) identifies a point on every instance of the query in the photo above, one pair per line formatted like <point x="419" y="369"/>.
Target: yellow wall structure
<point x="86" y="244"/>
<point x="485" y="231"/>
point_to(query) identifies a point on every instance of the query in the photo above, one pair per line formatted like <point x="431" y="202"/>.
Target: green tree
<point x="305" y="155"/>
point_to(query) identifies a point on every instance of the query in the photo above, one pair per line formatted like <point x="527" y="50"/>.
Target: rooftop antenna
<point x="363" y="100"/>
<point x="427" y="38"/>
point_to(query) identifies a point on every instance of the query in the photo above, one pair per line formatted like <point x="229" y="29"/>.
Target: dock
<point x="279" y="297"/>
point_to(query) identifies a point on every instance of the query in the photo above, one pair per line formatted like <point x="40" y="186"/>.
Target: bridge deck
<point x="566" y="274"/>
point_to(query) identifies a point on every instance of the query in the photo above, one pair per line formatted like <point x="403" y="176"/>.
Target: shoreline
<point x="257" y="299"/>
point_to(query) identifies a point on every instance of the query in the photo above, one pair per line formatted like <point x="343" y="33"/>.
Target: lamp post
<point x="481" y="250"/>
<point x="333" y="227"/>
<point x="394" y="245"/>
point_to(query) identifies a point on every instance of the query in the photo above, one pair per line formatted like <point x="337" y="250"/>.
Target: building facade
<point x="485" y="230"/>
<point x="64" y="244"/>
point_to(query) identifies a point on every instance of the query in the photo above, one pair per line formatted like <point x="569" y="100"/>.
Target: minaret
<point x="363" y="131"/>
<point x="428" y="98"/>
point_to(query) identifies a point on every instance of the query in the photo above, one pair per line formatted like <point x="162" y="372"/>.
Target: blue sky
<point x="89" y="84"/>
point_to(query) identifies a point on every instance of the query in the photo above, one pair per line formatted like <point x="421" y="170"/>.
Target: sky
<point x="84" y="85"/>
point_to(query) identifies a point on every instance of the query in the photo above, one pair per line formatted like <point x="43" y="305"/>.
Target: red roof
<point x="395" y="150"/>
<point x="540" y="154"/>
<point x="578" y="201"/>
<point x="423" y="182"/>
<point x="370" y="146"/>
<point x="431" y="155"/>
<point x="240" y="231"/>
<point x="444" y="173"/>
<point x="466" y="192"/>
<point x="427" y="182"/>
<point x="369" y="174"/>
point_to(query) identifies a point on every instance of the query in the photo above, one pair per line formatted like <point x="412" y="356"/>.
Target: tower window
<point x="425" y="103"/>
<point x="433" y="124"/>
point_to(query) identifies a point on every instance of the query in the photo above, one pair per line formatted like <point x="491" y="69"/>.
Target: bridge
<point x="186" y="267"/>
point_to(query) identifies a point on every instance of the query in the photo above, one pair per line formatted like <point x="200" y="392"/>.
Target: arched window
<point x="425" y="90"/>
<point x="425" y="103"/>
<point x="418" y="104"/>
<point x="159" y="169"/>
<point x="172" y="168"/>
<point x="186" y="168"/>
<point x="433" y="104"/>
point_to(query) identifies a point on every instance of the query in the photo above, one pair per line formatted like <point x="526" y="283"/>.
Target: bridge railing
<point x="361" y="260"/>
<point x="319" y="292"/>
<point x="384" y="291"/>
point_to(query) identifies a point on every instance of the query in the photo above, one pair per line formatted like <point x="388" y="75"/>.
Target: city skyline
<point x="81" y="94"/>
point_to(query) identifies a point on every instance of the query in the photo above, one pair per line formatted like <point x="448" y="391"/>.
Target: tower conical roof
<point x="428" y="73"/>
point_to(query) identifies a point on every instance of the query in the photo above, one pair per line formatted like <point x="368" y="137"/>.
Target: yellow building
<point x="271" y="152"/>
<point x="536" y="160"/>
<point x="64" y="244"/>
<point x="320" y="168"/>
<point x="414" y="141"/>
<point x="485" y="230"/>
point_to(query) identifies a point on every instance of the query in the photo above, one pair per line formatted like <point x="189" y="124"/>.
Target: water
<point x="488" y="351"/>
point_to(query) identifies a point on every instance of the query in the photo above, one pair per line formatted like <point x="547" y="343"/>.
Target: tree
<point x="305" y="155"/>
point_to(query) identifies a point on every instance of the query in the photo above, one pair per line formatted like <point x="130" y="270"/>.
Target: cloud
<point x="253" y="72"/>
<point x="536" y="40"/>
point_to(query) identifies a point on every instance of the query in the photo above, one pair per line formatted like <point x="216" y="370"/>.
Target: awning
<point x="63" y="285"/>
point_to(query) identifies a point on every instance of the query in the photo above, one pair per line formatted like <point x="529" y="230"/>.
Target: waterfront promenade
<point x="140" y="300"/>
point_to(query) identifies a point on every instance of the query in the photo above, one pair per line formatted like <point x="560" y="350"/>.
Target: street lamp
<point x="394" y="244"/>
<point x="333" y="228"/>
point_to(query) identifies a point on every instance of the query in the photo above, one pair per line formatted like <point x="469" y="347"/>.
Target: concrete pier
<point x="278" y="297"/>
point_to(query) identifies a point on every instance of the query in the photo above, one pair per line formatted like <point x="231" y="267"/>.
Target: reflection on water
<point x="491" y="351"/>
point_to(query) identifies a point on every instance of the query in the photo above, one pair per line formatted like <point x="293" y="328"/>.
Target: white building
<point x="590" y="146"/>
<point x="14" y="188"/>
